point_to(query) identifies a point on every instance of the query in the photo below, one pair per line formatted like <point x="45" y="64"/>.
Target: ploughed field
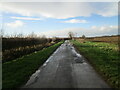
<point x="109" y="39"/>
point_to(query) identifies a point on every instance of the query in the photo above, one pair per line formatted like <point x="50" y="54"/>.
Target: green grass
<point x="17" y="72"/>
<point x="104" y="57"/>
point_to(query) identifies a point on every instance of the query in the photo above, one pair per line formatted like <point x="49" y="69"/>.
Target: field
<point x="17" y="72"/>
<point x="104" y="57"/>
<point x="109" y="39"/>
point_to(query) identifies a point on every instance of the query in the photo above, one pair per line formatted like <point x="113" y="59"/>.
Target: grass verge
<point x="18" y="71"/>
<point x="104" y="57"/>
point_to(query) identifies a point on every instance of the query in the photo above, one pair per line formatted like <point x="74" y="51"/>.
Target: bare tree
<point x="32" y="35"/>
<point x="71" y="35"/>
<point x="1" y="33"/>
<point x="20" y="35"/>
<point x="43" y="36"/>
<point x="83" y="36"/>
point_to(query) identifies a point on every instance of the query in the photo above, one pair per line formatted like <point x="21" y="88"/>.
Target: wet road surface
<point x="65" y="68"/>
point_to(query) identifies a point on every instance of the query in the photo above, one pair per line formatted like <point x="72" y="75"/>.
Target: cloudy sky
<point x="59" y="18"/>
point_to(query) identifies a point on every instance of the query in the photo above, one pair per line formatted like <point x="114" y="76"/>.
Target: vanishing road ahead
<point x="66" y="69"/>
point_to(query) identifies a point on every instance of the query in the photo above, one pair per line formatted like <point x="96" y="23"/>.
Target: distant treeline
<point x="11" y="43"/>
<point x="15" y="47"/>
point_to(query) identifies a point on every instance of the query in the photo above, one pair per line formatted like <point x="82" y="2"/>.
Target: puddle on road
<point x="77" y="57"/>
<point x="78" y="60"/>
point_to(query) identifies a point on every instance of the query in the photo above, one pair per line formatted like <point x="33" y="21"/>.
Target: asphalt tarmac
<point x="66" y="68"/>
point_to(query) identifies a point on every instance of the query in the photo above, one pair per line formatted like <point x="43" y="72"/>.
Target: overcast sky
<point x="59" y="18"/>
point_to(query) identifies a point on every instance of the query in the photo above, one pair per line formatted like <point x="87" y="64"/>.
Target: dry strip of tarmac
<point x="65" y="68"/>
